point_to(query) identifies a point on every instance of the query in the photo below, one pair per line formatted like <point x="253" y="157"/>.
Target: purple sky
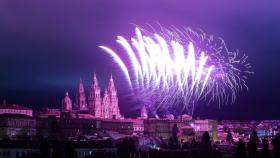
<point x="45" y="46"/>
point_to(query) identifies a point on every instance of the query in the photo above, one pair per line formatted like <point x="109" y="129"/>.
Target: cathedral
<point x="101" y="107"/>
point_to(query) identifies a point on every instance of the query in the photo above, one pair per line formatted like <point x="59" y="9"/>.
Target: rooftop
<point x="14" y="106"/>
<point x="14" y="116"/>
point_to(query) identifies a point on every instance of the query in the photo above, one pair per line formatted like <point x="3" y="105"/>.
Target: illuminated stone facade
<point x="101" y="107"/>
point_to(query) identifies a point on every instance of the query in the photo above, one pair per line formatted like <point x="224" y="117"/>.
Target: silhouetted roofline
<point x="14" y="106"/>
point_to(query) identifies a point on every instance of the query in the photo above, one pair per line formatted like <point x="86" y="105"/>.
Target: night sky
<point x="46" y="46"/>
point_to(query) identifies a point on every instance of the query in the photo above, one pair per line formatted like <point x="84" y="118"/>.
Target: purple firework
<point x="176" y="68"/>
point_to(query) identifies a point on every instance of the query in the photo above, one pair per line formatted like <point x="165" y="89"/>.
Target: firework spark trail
<point x="168" y="68"/>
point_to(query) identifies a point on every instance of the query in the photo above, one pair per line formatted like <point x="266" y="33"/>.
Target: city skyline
<point x="139" y="79"/>
<point x="43" y="55"/>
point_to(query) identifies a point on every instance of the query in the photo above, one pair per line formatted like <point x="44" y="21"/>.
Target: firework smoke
<point x="174" y="69"/>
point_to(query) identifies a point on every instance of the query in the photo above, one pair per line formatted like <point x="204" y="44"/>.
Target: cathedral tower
<point x="66" y="103"/>
<point x="114" y="111"/>
<point x="80" y="102"/>
<point x="94" y="100"/>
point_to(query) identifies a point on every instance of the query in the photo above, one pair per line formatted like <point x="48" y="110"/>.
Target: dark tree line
<point x="250" y="151"/>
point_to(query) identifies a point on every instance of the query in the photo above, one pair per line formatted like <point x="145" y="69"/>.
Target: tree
<point x="254" y="136"/>
<point x="265" y="150"/>
<point x="193" y="143"/>
<point x="241" y="149"/>
<point x="54" y="126"/>
<point x="215" y="136"/>
<point x="252" y="149"/>
<point x="126" y="146"/>
<point x="175" y="130"/>
<point x="44" y="149"/>
<point x="57" y="149"/>
<point x="205" y="149"/>
<point x="276" y="145"/>
<point x="205" y="139"/>
<point x="229" y="137"/>
<point x="171" y="143"/>
<point x="69" y="151"/>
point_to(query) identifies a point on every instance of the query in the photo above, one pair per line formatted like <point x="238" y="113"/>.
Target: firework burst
<point x="176" y="68"/>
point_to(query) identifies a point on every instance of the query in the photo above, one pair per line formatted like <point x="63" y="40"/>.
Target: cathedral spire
<point x="111" y="85"/>
<point x="114" y="111"/>
<point x="80" y="102"/>
<point x="94" y="100"/>
<point x="95" y="82"/>
<point x="81" y="86"/>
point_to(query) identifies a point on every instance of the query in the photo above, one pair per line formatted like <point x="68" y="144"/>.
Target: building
<point x="16" y="122"/>
<point x="15" y="109"/>
<point x="17" y="149"/>
<point x="138" y="126"/>
<point x="47" y="126"/>
<point x="23" y="149"/>
<point x="201" y="126"/>
<point x="122" y="126"/>
<point x="94" y="99"/>
<point x="46" y="113"/>
<point x="100" y="107"/>
<point x="162" y="127"/>
<point x="114" y="111"/>
<point x="72" y="125"/>
<point x="98" y="114"/>
<point x="17" y="126"/>
<point x="68" y="124"/>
